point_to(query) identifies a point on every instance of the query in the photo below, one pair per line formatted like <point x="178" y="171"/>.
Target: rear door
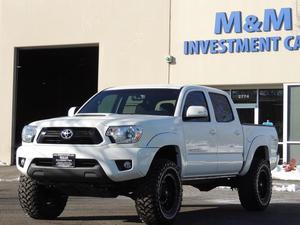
<point x="200" y="139"/>
<point x="229" y="135"/>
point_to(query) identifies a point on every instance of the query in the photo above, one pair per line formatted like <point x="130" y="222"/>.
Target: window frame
<point x="230" y="106"/>
<point x="185" y="119"/>
<point x="123" y="101"/>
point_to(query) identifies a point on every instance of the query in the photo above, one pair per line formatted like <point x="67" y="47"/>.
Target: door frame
<point x="16" y="50"/>
<point x="285" y="141"/>
<point x="249" y="106"/>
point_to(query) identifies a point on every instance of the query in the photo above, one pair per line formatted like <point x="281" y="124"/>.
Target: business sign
<point x="236" y="23"/>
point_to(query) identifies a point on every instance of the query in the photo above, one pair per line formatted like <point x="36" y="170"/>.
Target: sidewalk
<point x="9" y="173"/>
<point x="280" y="174"/>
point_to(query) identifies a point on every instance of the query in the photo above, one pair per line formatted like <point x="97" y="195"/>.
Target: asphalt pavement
<point x="218" y="207"/>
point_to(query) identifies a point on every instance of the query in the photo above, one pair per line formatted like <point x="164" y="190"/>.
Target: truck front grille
<point x="48" y="162"/>
<point x="80" y="135"/>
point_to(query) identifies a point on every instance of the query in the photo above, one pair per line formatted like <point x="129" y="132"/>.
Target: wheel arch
<point x="169" y="146"/>
<point x="258" y="149"/>
<point x="170" y="152"/>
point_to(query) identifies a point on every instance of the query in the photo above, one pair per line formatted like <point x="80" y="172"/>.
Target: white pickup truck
<point x="145" y="143"/>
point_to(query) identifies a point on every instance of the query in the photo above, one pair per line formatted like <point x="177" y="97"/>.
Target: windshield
<point x="134" y="101"/>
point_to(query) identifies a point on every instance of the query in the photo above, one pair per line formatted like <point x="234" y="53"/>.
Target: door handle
<point x="237" y="133"/>
<point x="213" y="131"/>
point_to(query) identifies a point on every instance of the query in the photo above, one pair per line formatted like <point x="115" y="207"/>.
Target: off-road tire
<point x="158" y="199"/>
<point x="255" y="188"/>
<point x="38" y="201"/>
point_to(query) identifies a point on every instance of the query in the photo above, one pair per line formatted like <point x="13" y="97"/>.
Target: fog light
<point x="124" y="164"/>
<point x="21" y="161"/>
<point x="127" y="165"/>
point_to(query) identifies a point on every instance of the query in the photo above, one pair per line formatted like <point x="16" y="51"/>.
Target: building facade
<point x="54" y="54"/>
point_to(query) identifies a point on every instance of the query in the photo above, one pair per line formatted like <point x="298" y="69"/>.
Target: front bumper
<point x="105" y="156"/>
<point x="93" y="174"/>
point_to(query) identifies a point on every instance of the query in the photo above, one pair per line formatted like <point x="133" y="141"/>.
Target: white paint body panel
<point x="230" y="147"/>
<point x="201" y="149"/>
<point x="230" y="144"/>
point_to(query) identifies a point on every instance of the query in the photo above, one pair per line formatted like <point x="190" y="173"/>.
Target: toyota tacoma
<point x="145" y="142"/>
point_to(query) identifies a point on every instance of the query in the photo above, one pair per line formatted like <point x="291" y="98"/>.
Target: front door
<point x="200" y="139"/>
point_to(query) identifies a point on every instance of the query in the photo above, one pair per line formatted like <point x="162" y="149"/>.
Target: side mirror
<point x="72" y="111"/>
<point x="196" y="112"/>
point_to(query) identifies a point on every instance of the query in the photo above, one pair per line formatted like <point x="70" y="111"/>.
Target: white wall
<point x="195" y="20"/>
<point x="132" y="37"/>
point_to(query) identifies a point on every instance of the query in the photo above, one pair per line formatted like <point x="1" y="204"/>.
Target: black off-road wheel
<point x="255" y="188"/>
<point x="158" y="199"/>
<point x="38" y="201"/>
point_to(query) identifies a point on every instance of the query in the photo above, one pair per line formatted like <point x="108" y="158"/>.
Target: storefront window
<point x="244" y="96"/>
<point x="271" y="108"/>
<point x="246" y="115"/>
<point x="294" y="114"/>
<point x="293" y="153"/>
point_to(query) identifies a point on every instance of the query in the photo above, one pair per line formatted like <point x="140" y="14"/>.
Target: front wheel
<point x="38" y="201"/>
<point x="158" y="199"/>
<point x="255" y="188"/>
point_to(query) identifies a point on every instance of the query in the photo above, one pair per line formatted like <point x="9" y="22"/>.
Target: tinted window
<point x="134" y="101"/>
<point x="107" y="104"/>
<point x="195" y="98"/>
<point x="271" y="108"/>
<point x="222" y="108"/>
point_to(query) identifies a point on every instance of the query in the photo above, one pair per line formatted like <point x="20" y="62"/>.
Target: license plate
<point x="64" y="160"/>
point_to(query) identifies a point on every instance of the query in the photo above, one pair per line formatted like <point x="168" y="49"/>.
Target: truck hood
<point x="101" y="120"/>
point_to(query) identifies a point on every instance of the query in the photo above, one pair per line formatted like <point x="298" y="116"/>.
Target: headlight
<point x="124" y="134"/>
<point x="28" y="134"/>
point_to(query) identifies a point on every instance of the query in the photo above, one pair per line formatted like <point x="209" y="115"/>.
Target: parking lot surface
<point x="217" y="207"/>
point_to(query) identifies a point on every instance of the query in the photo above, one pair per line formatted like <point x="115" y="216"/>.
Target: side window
<point x="195" y="98"/>
<point x="222" y="108"/>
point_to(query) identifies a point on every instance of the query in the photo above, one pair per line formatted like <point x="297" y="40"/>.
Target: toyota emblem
<point x="66" y="134"/>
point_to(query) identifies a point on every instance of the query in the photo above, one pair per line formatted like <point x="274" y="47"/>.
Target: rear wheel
<point x="255" y="188"/>
<point x="38" y="201"/>
<point x="158" y="199"/>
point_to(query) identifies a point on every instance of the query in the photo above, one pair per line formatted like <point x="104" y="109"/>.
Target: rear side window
<point x="195" y="98"/>
<point x="222" y="108"/>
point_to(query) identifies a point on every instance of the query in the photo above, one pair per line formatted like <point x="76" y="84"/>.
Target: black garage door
<point x="48" y="81"/>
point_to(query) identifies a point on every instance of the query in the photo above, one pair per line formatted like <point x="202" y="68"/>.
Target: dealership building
<point x="56" y="54"/>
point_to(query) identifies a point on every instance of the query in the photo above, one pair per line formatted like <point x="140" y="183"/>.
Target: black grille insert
<point x="48" y="162"/>
<point x="81" y="135"/>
